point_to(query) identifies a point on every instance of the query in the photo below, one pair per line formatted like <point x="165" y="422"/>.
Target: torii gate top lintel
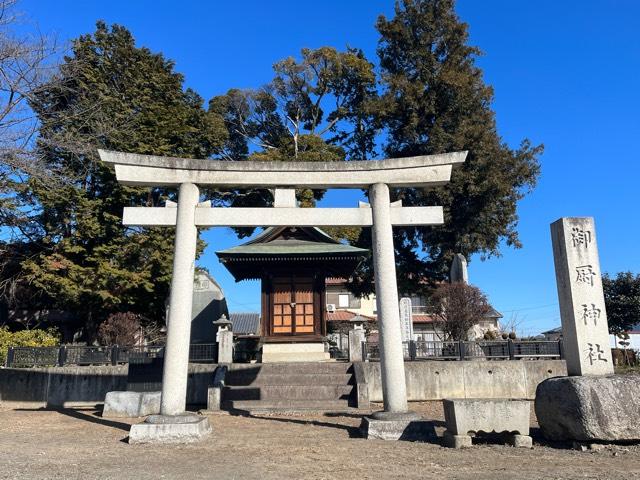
<point x="150" y="170"/>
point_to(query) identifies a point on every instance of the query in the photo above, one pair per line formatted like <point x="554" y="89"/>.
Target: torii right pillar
<point x="394" y="390"/>
<point x="396" y="421"/>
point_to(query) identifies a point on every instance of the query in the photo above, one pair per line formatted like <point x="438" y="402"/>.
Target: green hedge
<point x="26" y="338"/>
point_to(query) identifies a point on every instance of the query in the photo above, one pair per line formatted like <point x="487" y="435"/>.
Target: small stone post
<point x="176" y="356"/>
<point x="225" y="339"/>
<point x="394" y="390"/>
<point x="356" y="338"/>
<point x="585" y="331"/>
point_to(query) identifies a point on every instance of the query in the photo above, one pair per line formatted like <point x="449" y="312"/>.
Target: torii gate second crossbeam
<point x="375" y="175"/>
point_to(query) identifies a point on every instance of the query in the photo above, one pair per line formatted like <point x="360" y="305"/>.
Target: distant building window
<point x="343" y="300"/>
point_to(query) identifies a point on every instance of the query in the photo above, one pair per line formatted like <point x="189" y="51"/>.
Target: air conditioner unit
<point x="331" y="307"/>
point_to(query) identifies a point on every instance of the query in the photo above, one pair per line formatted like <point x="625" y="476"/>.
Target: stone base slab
<point x="452" y="440"/>
<point x="520" y="441"/>
<point x="408" y="428"/>
<point x="456" y="441"/>
<point x="170" y="429"/>
<point x="131" y="404"/>
<point x="294" y="352"/>
<point x="589" y="409"/>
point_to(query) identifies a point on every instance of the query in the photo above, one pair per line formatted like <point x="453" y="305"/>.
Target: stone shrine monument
<point x="458" y="271"/>
<point x="187" y="174"/>
<point x="584" y="317"/>
<point x="591" y="405"/>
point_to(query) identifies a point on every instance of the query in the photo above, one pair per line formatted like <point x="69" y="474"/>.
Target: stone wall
<point x="435" y="380"/>
<point x="81" y="386"/>
<point x="428" y="380"/>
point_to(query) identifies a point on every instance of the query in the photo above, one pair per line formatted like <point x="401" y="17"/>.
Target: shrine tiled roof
<point x="346" y="316"/>
<point x="270" y="243"/>
<point x="291" y="248"/>
<point x="245" y="323"/>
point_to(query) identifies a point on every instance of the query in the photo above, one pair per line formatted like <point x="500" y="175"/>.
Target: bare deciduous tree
<point x="459" y="307"/>
<point x="120" y="329"/>
<point x="26" y="63"/>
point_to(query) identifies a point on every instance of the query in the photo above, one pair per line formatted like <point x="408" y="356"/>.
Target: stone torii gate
<point x="375" y="175"/>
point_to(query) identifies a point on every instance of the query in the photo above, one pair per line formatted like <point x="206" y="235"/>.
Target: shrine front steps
<point x="283" y="388"/>
<point x="288" y="379"/>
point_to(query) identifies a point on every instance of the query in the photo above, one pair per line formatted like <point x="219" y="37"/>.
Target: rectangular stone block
<point x="464" y="416"/>
<point x="131" y="404"/>
<point x="585" y="331"/>
<point x="408" y="430"/>
<point x="170" y="429"/>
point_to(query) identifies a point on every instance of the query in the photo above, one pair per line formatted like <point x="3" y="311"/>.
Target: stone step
<point x="269" y="393"/>
<point x="311" y="368"/>
<point x="282" y="406"/>
<point x="250" y="379"/>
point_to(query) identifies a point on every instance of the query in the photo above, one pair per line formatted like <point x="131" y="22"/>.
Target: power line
<point x="530" y="308"/>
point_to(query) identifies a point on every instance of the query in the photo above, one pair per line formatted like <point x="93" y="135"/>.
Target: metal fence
<point x="208" y="353"/>
<point x="462" y="350"/>
<point x="98" y="355"/>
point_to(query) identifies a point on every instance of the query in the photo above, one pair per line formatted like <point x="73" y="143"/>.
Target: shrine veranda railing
<point x="470" y="350"/>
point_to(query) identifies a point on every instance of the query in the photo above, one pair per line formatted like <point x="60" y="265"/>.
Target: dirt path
<point x="79" y="444"/>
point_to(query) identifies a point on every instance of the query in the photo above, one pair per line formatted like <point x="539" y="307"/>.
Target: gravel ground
<point x="79" y="444"/>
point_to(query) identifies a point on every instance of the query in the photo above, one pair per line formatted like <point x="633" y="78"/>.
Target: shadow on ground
<point x="88" y="414"/>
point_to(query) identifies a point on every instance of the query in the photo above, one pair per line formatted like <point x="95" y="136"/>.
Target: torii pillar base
<point x="186" y="428"/>
<point x="407" y="426"/>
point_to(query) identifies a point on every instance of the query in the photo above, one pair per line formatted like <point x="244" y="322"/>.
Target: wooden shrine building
<point x="292" y="264"/>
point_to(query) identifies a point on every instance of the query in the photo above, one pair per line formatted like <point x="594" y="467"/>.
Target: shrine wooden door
<point x="293" y="309"/>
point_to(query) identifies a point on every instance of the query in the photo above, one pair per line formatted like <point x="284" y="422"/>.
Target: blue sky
<point x="565" y="74"/>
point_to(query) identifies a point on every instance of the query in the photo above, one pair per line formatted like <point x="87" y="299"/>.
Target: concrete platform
<point x="294" y="352"/>
<point x="398" y="426"/>
<point x="184" y="428"/>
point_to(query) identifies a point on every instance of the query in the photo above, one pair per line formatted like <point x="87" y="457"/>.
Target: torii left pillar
<point x="174" y="425"/>
<point x="176" y="355"/>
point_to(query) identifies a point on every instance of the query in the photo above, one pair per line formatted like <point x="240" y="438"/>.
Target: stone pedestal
<point x="356" y="338"/>
<point x="456" y="441"/>
<point x="465" y="417"/>
<point x="520" y="441"/>
<point x="185" y="428"/>
<point x="407" y="426"/>
<point x="589" y="409"/>
<point x="225" y="346"/>
<point x="294" y="352"/>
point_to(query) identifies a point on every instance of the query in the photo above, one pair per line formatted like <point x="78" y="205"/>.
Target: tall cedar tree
<point x="317" y="108"/>
<point x="115" y="96"/>
<point x="435" y="101"/>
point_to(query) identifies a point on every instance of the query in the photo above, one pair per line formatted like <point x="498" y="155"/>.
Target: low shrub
<point x="26" y="338"/>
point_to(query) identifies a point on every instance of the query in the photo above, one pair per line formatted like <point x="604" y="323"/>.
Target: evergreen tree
<point x="622" y="300"/>
<point x="435" y="101"/>
<point x="316" y="108"/>
<point x="110" y="94"/>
